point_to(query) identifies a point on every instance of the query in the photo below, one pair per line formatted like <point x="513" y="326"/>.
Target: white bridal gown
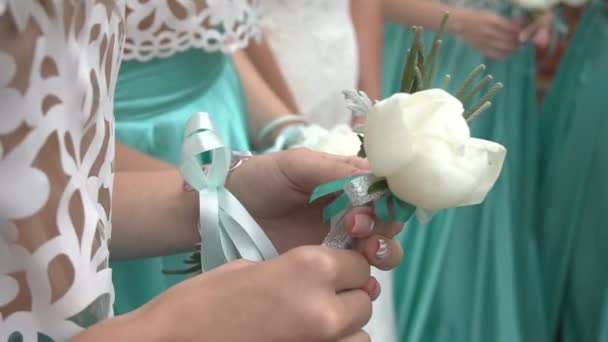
<point x="315" y="45"/>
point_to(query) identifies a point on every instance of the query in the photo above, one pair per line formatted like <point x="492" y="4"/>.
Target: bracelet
<point x="227" y="230"/>
<point x="272" y="125"/>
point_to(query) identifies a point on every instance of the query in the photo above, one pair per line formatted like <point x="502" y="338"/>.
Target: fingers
<point x="383" y="253"/>
<point x="360" y="222"/>
<point x="355" y="309"/>
<point x="307" y="169"/>
<point x="345" y="269"/>
<point x="505" y="25"/>
<point x="542" y="38"/>
<point x="528" y="32"/>
<point x="351" y="271"/>
<point x="359" y="336"/>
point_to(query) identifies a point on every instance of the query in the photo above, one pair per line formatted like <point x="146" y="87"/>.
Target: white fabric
<point x="315" y="46"/>
<point x="58" y="66"/>
<point x="161" y="28"/>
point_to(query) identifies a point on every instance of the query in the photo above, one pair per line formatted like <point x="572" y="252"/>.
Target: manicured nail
<point x="363" y="224"/>
<point x="373" y="288"/>
<point x="382" y="251"/>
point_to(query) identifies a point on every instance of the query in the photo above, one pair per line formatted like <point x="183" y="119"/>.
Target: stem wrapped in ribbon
<point x="356" y="193"/>
<point x="227" y="230"/>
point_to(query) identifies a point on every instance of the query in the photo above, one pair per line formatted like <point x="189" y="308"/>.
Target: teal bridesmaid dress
<point x="472" y="273"/>
<point x="154" y="100"/>
<point x="573" y="236"/>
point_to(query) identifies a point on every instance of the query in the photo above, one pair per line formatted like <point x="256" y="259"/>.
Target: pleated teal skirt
<point x="573" y="234"/>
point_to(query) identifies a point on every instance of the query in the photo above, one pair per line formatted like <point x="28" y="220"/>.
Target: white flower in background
<point x="574" y="3"/>
<point x="422" y="145"/>
<point x="535" y="5"/>
<point x="340" y="140"/>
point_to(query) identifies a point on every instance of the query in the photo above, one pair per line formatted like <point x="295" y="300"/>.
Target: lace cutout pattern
<point x="59" y="61"/>
<point x="160" y="28"/>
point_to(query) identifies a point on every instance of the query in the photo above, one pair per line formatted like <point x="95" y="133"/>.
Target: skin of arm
<point x="368" y="20"/>
<point x="263" y="104"/>
<point x="427" y="14"/>
<point x="263" y="59"/>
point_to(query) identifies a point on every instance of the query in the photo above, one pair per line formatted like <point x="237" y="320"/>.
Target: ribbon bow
<point x="355" y="194"/>
<point x="227" y="230"/>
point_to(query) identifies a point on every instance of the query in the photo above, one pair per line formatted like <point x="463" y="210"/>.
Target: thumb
<point x="307" y="169"/>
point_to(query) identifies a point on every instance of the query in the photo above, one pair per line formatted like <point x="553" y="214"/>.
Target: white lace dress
<point x="58" y="66"/>
<point x="315" y="45"/>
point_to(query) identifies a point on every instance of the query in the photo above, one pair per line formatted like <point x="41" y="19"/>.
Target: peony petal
<point x="432" y="180"/>
<point x="442" y="175"/>
<point x="485" y="160"/>
<point x="387" y="136"/>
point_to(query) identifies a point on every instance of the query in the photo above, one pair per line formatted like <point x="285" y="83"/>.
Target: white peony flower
<point x="422" y="145"/>
<point x="536" y="5"/>
<point x="574" y="3"/>
<point x="340" y="140"/>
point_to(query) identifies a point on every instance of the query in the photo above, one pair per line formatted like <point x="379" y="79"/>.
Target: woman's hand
<point x="494" y="35"/>
<point x="276" y="188"/>
<point x="539" y="31"/>
<point x="310" y="293"/>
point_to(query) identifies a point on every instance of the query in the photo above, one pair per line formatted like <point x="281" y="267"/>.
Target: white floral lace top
<point x="58" y="67"/>
<point x="162" y="28"/>
<point x="58" y="62"/>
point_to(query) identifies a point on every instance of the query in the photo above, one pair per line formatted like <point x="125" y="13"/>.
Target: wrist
<point x="456" y="25"/>
<point x="137" y="325"/>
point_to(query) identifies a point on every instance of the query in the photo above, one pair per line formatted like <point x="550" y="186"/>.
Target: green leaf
<point x="361" y="153"/>
<point x="378" y="186"/>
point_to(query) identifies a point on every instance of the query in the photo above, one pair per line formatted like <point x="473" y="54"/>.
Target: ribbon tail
<point x="338" y="236"/>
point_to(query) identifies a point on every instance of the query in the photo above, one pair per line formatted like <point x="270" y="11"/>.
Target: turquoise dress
<point x="154" y="100"/>
<point x="472" y="274"/>
<point x="573" y="236"/>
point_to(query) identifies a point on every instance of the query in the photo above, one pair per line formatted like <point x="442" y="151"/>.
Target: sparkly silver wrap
<point x="358" y="195"/>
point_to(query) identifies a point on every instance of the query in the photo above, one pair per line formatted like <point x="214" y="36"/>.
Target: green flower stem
<point x="408" y="72"/>
<point x="467" y="82"/>
<point x="486" y="98"/>
<point x="482" y="84"/>
<point x="432" y="59"/>
<point x="478" y="112"/>
<point x="433" y="56"/>
<point x="446" y="82"/>
<point x="419" y="80"/>
<point x="419" y="44"/>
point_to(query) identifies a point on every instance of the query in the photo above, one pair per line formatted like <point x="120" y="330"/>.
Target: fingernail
<point x="382" y="251"/>
<point x="374" y="288"/>
<point x="363" y="224"/>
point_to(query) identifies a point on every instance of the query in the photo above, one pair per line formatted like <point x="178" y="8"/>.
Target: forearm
<point x="427" y="14"/>
<point x="263" y="105"/>
<point x="368" y="21"/>
<point x="152" y="215"/>
<point x="129" y="159"/>
<point x="134" y="326"/>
